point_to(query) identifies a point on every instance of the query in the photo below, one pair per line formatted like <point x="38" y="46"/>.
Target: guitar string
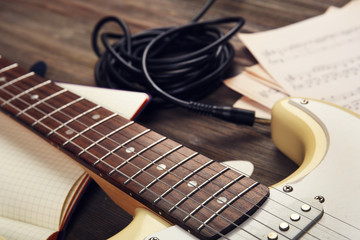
<point x="209" y="227"/>
<point x="179" y="177"/>
<point x="210" y="194"/>
<point x="193" y="217"/>
<point x="154" y="177"/>
<point x="200" y="176"/>
<point x="241" y="183"/>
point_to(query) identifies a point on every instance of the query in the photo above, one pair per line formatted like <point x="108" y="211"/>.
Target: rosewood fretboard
<point x="189" y="189"/>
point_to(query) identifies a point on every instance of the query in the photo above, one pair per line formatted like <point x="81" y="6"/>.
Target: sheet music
<point x="316" y="58"/>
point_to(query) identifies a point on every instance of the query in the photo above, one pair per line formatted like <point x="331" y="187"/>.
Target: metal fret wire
<point x="144" y="171"/>
<point x="62" y="125"/>
<point x="270" y="213"/>
<point x="288" y="208"/>
<point x="198" y="220"/>
<point x="88" y="128"/>
<point x="120" y="146"/>
<point x="180" y="209"/>
<point x="300" y="213"/>
<point x="56" y="110"/>
<point x="136" y="155"/>
<point x="182" y="180"/>
<point x="223" y="207"/>
<point x="105" y="136"/>
<point x="151" y="163"/>
<point x="195" y="190"/>
<point x="39" y="102"/>
<point x="240" y="183"/>
<point x="17" y="79"/>
<point x="14" y="65"/>
<point x="25" y="92"/>
<point x="215" y="194"/>
<point x="72" y="119"/>
<point x="198" y="189"/>
<point x="174" y="189"/>
<point x="170" y="169"/>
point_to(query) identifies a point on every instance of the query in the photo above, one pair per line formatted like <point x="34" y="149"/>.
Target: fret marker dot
<point x="161" y="167"/>
<point x="69" y="132"/>
<point x="34" y="97"/>
<point x="130" y="150"/>
<point x="95" y="116"/>
<point x="222" y="200"/>
<point x="192" y="184"/>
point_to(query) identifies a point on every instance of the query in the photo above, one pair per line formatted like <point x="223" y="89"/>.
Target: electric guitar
<point x="176" y="193"/>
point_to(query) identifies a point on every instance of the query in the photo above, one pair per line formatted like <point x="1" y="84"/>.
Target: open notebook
<point x="39" y="185"/>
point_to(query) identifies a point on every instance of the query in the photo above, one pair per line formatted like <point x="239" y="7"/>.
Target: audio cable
<point x="176" y="65"/>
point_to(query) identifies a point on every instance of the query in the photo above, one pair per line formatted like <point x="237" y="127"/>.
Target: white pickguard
<point x="336" y="178"/>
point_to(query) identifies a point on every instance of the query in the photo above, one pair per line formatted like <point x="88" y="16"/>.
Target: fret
<point x="25" y="92"/>
<point x="155" y="169"/>
<point x="197" y="189"/>
<point x="7" y="68"/>
<point x="182" y="180"/>
<point x="167" y="171"/>
<point x="226" y="205"/>
<point x="88" y="128"/>
<point x="152" y="163"/>
<point x="41" y="101"/>
<point x="105" y="137"/>
<point x="120" y="146"/>
<point x="212" y="197"/>
<point x="56" y="110"/>
<point x="72" y="119"/>
<point x="135" y="155"/>
<point x="17" y="79"/>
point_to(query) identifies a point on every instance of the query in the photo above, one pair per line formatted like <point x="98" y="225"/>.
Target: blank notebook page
<point x="35" y="178"/>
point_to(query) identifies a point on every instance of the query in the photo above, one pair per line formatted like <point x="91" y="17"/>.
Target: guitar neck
<point x="185" y="187"/>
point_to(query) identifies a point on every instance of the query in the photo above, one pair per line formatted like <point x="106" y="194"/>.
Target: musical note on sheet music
<point x="312" y="46"/>
<point x="324" y="74"/>
<point x="350" y="99"/>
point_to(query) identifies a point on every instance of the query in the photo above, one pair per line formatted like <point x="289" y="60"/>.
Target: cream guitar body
<point x="324" y="140"/>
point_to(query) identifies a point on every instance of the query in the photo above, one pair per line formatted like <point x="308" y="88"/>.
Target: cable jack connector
<point x="227" y="113"/>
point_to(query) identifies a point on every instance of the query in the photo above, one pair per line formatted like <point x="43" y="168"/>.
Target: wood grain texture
<point x="58" y="32"/>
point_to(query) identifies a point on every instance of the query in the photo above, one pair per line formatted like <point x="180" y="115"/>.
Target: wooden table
<point x="58" y="32"/>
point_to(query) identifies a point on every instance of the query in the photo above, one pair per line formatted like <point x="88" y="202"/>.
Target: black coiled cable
<point x="175" y="64"/>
